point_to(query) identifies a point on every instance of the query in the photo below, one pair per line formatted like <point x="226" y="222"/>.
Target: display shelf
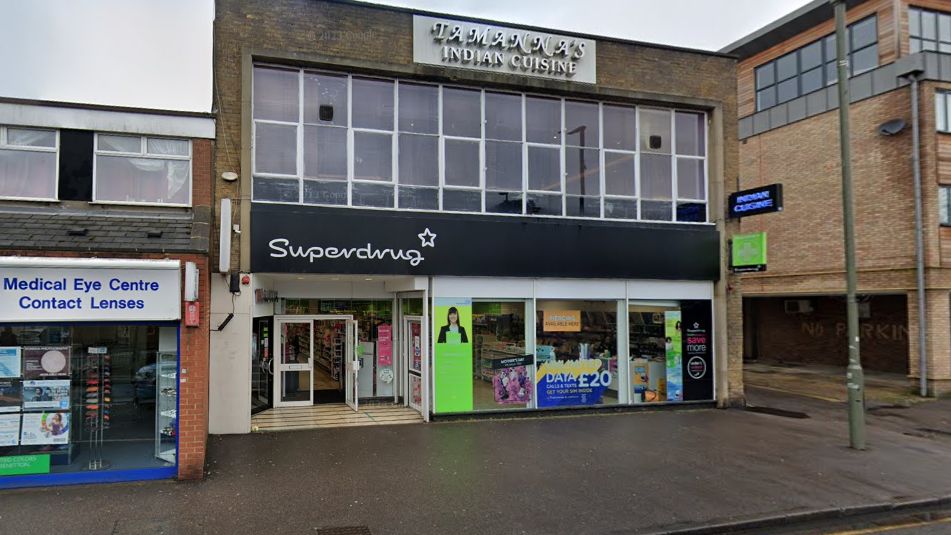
<point x="166" y="407"/>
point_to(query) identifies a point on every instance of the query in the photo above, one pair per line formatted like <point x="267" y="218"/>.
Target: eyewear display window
<point x="83" y="399"/>
<point x="28" y="163"/>
<point x="336" y="139"/>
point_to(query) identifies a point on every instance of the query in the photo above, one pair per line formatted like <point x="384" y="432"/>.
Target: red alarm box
<point x="192" y="314"/>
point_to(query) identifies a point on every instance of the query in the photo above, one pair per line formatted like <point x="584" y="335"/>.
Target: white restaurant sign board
<point x="70" y="290"/>
<point x="482" y="47"/>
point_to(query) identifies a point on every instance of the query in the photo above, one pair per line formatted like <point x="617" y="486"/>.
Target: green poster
<point x="452" y="362"/>
<point x="674" y="349"/>
<point x="749" y="252"/>
<point x="16" y="465"/>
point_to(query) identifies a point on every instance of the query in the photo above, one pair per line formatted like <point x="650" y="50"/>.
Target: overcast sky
<point x="157" y="53"/>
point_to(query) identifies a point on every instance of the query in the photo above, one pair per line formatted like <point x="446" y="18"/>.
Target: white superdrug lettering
<point x="282" y="248"/>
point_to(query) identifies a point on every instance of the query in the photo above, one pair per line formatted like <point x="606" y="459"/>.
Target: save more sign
<point x="44" y="292"/>
<point x="469" y="45"/>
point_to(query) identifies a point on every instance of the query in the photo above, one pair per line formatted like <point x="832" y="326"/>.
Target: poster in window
<point x="384" y="344"/>
<point x="512" y="381"/>
<point x="674" y="350"/>
<point x="41" y="362"/>
<point x="11" y="395"/>
<point x="9" y="429"/>
<point x="41" y="428"/>
<point x="46" y="394"/>
<point x="9" y="362"/>
<point x="453" y="354"/>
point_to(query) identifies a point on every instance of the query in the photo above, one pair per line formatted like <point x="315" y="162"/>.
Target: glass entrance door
<point x="353" y="364"/>
<point x="294" y="373"/>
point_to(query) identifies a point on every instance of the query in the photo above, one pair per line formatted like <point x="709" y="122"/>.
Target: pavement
<point x="633" y="472"/>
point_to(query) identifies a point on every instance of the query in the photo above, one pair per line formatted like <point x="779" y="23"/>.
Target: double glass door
<point x="295" y="373"/>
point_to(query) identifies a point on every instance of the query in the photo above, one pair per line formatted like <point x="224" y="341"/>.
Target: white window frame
<point x="942" y="110"/>
<point x="55" y="150"/>
<point x="142" y="154"/>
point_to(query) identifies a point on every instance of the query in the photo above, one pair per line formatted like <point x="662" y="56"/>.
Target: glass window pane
<point x="543" y="204"/>
<point x="577" y="206"/>
<point x="582" y="171"/>
<point x="620" y="208"/>
<point x="544" y="169"/>
<point x="325" y="99"/>
<point x="462" y="163"/>
<point x="503" y="166"/>
<point x="419" y="198"/>
<point x="690" y="182"/>
<point x="694" y="212"/>
<point x="914" y="22"/>
<point x="503" y="202"/>
<point x="944" y="204"/>
<point x="27" y="174"/>
<point x="125" y="179"/>
<point x="379" y="195"/>
<point x="503" y="116"/>
<point x="766" y="98"/>
<point x="863" y="33"/>
<point x="829" y="44"/>
<point x="944" y="47"/>
<point x="276" y="94"/>
<point x="656" y="176"/>
<point x="690" y="133"/>
<point x="501" y="328"/>
<point x="832" y="73"/>
<point x="655" y="130"/>
<point x="461" y="200"/>
<point x="787" y="90"/>
<point x="786" y="67"/>
<point x="929" y="46"/>
<point x="419" y="160"/>
<point x="119" y="143"/>
<point x="619" y="174"/>
<point x="811" y="80"/>
<point x="864" y="60"/>
<point x="372" y="156"/>
<point x="275" y="149"/>
<point x="928" y="25"/>
<point x="914" y="45"/>
<point x="944" y="27"/>
<point x="766" y="75"/>
<point x="461" y="112"/>
<point x="419" y="108"/>
<point x="543" y="120"/>
<point x="619" y="128"/>
<point x="941" y="111"/>
<point x="167" y="147"/>
<point x="325" y="152"/>
<point x="276" y="189"/>
<point x="810" y="56"/>
<point x="656" y="210"/>
<point x="23" y="137"/>
<point x="325" y="192"/>
<point x="372" y="103"/>
<point x="581" y="124"/>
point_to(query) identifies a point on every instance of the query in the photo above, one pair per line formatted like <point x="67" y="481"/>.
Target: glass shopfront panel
<point x="82" y="399"/>
<point x="503" y="374"/>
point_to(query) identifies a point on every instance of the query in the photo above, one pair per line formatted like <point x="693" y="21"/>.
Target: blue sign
<point x="756" y="201"/>
<point x="572" y="382"/>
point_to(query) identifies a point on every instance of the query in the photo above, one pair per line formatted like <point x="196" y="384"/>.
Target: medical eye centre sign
<point x="476" y="46"/>
<point x="85" y="293"/>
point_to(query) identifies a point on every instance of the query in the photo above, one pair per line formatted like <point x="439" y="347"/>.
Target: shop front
<point x="89" y="370"/>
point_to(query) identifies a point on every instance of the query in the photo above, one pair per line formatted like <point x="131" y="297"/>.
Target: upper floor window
<point x="942" y="101"/>
<point x="813" y="67"/>
<point x="348" y="140"/>
<point x="929" y="30"/>
<point x="944" y="204"/>
<point x="142" y="170"/>
<point x="28" y="163"/>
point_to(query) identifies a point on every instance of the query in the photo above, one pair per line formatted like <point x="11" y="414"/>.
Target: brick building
<point x="104" y="234"/>
<point x="456" y="215"/>
<point x="788" y="133"/>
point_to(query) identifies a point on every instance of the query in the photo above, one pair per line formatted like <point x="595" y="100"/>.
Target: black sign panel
<point x="305" y="239"/>
<point x="756" y="201"/>
<point x="697" y="364"/>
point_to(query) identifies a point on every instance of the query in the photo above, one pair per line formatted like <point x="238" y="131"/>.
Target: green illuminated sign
<point x="16" y="465"/>
<point x="749" y="252"/>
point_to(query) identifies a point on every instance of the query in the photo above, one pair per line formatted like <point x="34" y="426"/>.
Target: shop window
<point x="928" y="30"/>
<point x="655" y="349"/>
<point x="141" y="169"/>
<point x="28" y="163"/>
<point x="942" y="111"/>
<point x="503" y="373"/>
<point x="812" y="67"/>
<point x="576" y="353"/>
<point x="88" y="398"/>
<point x="944" y="204"/>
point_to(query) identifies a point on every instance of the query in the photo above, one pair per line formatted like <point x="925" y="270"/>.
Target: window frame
<point x="143" y="154"/>
<point x="55" y="150"/>
<point x="917" y="12"/>
<point x="603" y="197"/>
<point x="944" y="205"/>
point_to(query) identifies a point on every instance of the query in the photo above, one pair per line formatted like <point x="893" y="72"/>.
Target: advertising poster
<point x="698" y="350"/>
<point x="452" y="361"/>
<point x="384" y="344"/>
<point x="46" y="394"/>
<point x="9" y="429"/>
<point x="417" y="340"/>
<point x="416" y="392"/>
<point x="11" y="395"/>
<point x="571" y="382"/>
<point x="40" y="362"/>
<point x="18" y="465"/>
<point x="565" y="321"/>
<point x="9" y="362"/>
<point x="44" y="428"/>
<point x="512" y="381"/>
<point x="674" y="346"/>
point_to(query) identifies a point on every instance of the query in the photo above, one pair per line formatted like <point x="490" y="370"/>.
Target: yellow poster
<point x="565" y="321"/>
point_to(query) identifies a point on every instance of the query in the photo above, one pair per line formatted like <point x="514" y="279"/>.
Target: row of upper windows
<point x="928" y="30"/>
<point x="107" y="168"/>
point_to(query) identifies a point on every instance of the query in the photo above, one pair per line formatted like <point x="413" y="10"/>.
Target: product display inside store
<point x="503" y="375"/>
<point x="656" y="355"/>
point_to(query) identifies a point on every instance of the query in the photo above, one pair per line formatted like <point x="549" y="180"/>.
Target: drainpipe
<point x="919" y="240"/>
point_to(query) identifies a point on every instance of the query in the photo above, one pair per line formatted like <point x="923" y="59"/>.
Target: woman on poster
<point x="452" y="327"/>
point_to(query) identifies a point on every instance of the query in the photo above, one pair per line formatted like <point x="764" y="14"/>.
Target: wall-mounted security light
<point x="229" y="176"/>
<point x="890" y="128"/>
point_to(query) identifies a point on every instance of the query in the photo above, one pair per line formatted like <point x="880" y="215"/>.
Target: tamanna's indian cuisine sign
<point x="467" y="45"/>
